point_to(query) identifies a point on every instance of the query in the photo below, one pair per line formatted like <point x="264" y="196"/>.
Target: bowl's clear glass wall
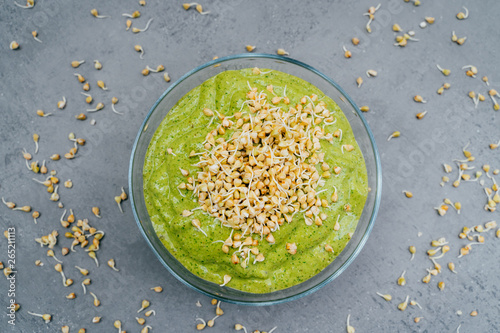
<point x="363" y="138"/>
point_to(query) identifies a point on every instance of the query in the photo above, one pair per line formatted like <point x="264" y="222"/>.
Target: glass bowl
<point x="363" y="137"/>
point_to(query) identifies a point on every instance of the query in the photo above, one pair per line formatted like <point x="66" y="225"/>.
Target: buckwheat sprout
<point x="199" y="9"/>
<point x="472" y="68"/>
<point x="150" y="312"/>
<point x="350" y="329"/>
<point x="61" y="104"/>
<point x="96" y="301"/>
<point x="218" y="310"/>
<point x="97" y="65"/>
<point x="401" y="41"/>
<point x="372" y="9"/>
<point x="202" y="325"/>
<point x="73" y="244"/>
<point x="26" y="155"/>
<point x="118" y="324"/>
<point x="59" y="269"/>
<point x="282" y="52"/>
<point x="101" y="85"/>
<point x="96" y="211"/>
<point x="158" y="69"/>
<point x="402" y="306"/>
<point x="386" y="297"/>
<point x="401" y="279"/>
<point x="25" y="209"/>
<point x="144" y="305"/>
<point x="76" y="63"/>
<point x="41" y="113"/>
<point x="98" y="107"/>
<point x="414" y="303"/>
<point x="359" y="81"/>
<point x="94" y="256"/>
<point x="368" y="28"/>
<point x="419" y="99"/>
<point x="135" y="14"/>
<point x="240" y="327"/>
<point x="14" y="45"/>
<point x="412" y="250"/>
<point x="85" y="282"/>
<point x="409" y="36"/>
<point x="146" y="329"/>
<point x="227" y="278"/>
<point x="123" y="195"/>
<point x="35" y="215"/>
<point x="395" y="134"/>
<point x="83" y="271"/>
<point x="139" y="48"/>
<point x="445" y="72"/>
<point x="492" y="93"/>
<point x="45" y="317"/>
<point x="111" y="263"/>
<point x="186" y="6"/>
<point x="34" y="33"/>
<point x="43" y="168"/>
<point x="211" y="322"/>
<point x="29" y="4"/>
<point x="408" y="194"/>
<point x="50" y="253"/>
<point x="36" y="137"/>
<point x="197" y="225"/>
<point x="68" y="282"/>
<point x="347" y="53"/>
<point x="114" y="100"/>
<point x="118" y="201"/>
<point x="45" y="183"/>
<point x="80" y="78"/>
<point x="88" y="97"/>
<point x="55" y="196"/>
<point x="136" y="30"/>
<point x="462" y="16"/>
<point x="95" y="13"/>
<point x="62" y="216"/>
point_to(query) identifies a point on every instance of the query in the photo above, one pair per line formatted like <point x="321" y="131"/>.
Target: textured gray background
<point x="38" y="75"/>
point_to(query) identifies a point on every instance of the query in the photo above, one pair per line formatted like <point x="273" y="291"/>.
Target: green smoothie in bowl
<point x="254" y="180"/>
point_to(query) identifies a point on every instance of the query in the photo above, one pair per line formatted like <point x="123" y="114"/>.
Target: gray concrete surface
<point x="37" y="76"/>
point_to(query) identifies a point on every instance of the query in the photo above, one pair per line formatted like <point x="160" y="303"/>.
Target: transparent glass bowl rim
<point x="378" y="180"/>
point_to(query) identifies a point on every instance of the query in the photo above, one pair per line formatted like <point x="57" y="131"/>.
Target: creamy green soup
<point x="184" y="129"/>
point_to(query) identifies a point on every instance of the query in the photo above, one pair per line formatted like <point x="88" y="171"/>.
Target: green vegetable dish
<point x="254" y="180"/>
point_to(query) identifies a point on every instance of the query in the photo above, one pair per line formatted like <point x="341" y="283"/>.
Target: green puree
<point x="184" y="129"/>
